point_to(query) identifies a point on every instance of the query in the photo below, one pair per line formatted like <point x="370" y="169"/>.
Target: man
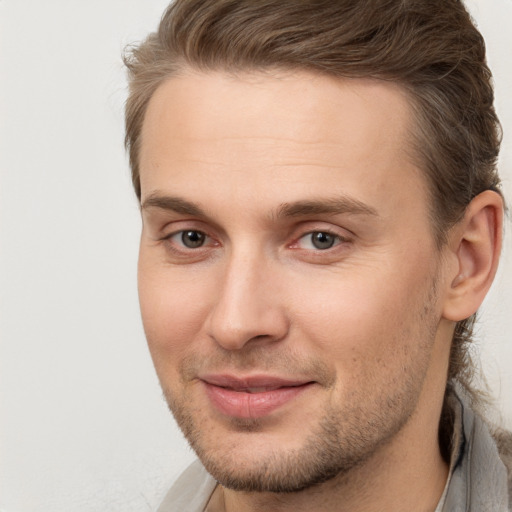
<point x="322" y="219"/>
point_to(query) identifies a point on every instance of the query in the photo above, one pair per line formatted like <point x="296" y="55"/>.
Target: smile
<point x="254" y="397"/>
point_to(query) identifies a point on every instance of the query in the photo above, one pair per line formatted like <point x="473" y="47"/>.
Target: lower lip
<point x="240" y="404"/>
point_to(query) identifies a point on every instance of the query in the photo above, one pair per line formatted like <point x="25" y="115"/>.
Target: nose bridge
<point x="248" y="305"/>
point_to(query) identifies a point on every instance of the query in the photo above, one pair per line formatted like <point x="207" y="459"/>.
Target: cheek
<point x="173" y="310"/>
<point x="361" y="317"/>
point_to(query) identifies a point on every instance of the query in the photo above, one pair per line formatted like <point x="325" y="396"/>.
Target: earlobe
<point x="476" y="244"/>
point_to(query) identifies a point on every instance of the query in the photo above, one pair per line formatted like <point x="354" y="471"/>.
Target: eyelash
<point x="338" y="239"/>
<point x="168" y="239"/>
<point x="181" y="248"/>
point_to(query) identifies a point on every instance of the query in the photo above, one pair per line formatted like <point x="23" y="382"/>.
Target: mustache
<point x="256" y="360"/>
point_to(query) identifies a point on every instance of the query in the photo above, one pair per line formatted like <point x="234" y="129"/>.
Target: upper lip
<point x="262" y="382"/>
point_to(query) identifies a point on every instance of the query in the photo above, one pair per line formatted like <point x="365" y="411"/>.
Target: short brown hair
<point x="430" y="47"/>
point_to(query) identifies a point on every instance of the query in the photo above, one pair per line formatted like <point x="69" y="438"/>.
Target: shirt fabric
<point x="477" y="479"/>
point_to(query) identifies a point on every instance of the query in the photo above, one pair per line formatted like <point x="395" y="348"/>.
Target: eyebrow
<point x="332" y="206"/>
<point x="174" y="204"/>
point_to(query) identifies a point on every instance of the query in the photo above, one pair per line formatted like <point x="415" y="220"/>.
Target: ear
<point x="475" y="242"/>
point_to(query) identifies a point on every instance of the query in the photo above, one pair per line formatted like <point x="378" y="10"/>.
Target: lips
<point x="251" y="397"/>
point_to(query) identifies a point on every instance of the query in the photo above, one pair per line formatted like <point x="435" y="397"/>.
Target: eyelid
<point x="177" y="232"/>
<point x="169" y="229"/>
<point x="309" y="228"/>
<point x="178" y="253"/>
<point x="337" y="241"/>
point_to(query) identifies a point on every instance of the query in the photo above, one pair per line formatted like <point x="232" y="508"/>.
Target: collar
<point x="478" y="477"/>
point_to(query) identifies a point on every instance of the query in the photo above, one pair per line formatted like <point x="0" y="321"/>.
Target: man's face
<point x="288" y="275"/>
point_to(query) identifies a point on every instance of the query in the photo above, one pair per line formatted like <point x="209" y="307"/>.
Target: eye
<point x="190" y="239"/>
<point x="320" y="240"/>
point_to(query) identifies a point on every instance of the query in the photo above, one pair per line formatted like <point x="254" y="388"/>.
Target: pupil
<point x="323" y="240"/>
<point x="192" y="239"/>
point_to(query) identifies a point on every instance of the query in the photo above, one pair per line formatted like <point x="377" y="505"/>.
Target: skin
<point x="257" y="163"/>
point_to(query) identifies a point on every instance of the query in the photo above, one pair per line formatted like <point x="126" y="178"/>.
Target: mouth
<point x="251" y="397"/>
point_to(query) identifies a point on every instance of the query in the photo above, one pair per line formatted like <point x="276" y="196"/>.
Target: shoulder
<point x="483" y="468"/>
<point x="503" y="439"/>
<point x="191" y="492"/>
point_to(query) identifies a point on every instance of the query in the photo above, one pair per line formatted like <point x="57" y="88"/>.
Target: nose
<point x="249" y="308"/>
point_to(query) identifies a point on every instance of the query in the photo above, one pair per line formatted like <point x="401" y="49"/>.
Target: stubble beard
<point x="344" y="438"/>
<point x="329" y="452"/>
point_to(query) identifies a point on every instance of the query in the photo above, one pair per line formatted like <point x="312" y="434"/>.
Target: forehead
<point x="306" y="106"/>
<point x="297" y="131"/>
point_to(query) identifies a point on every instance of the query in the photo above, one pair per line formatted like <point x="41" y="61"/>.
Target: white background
<point x="83" y="424"/>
